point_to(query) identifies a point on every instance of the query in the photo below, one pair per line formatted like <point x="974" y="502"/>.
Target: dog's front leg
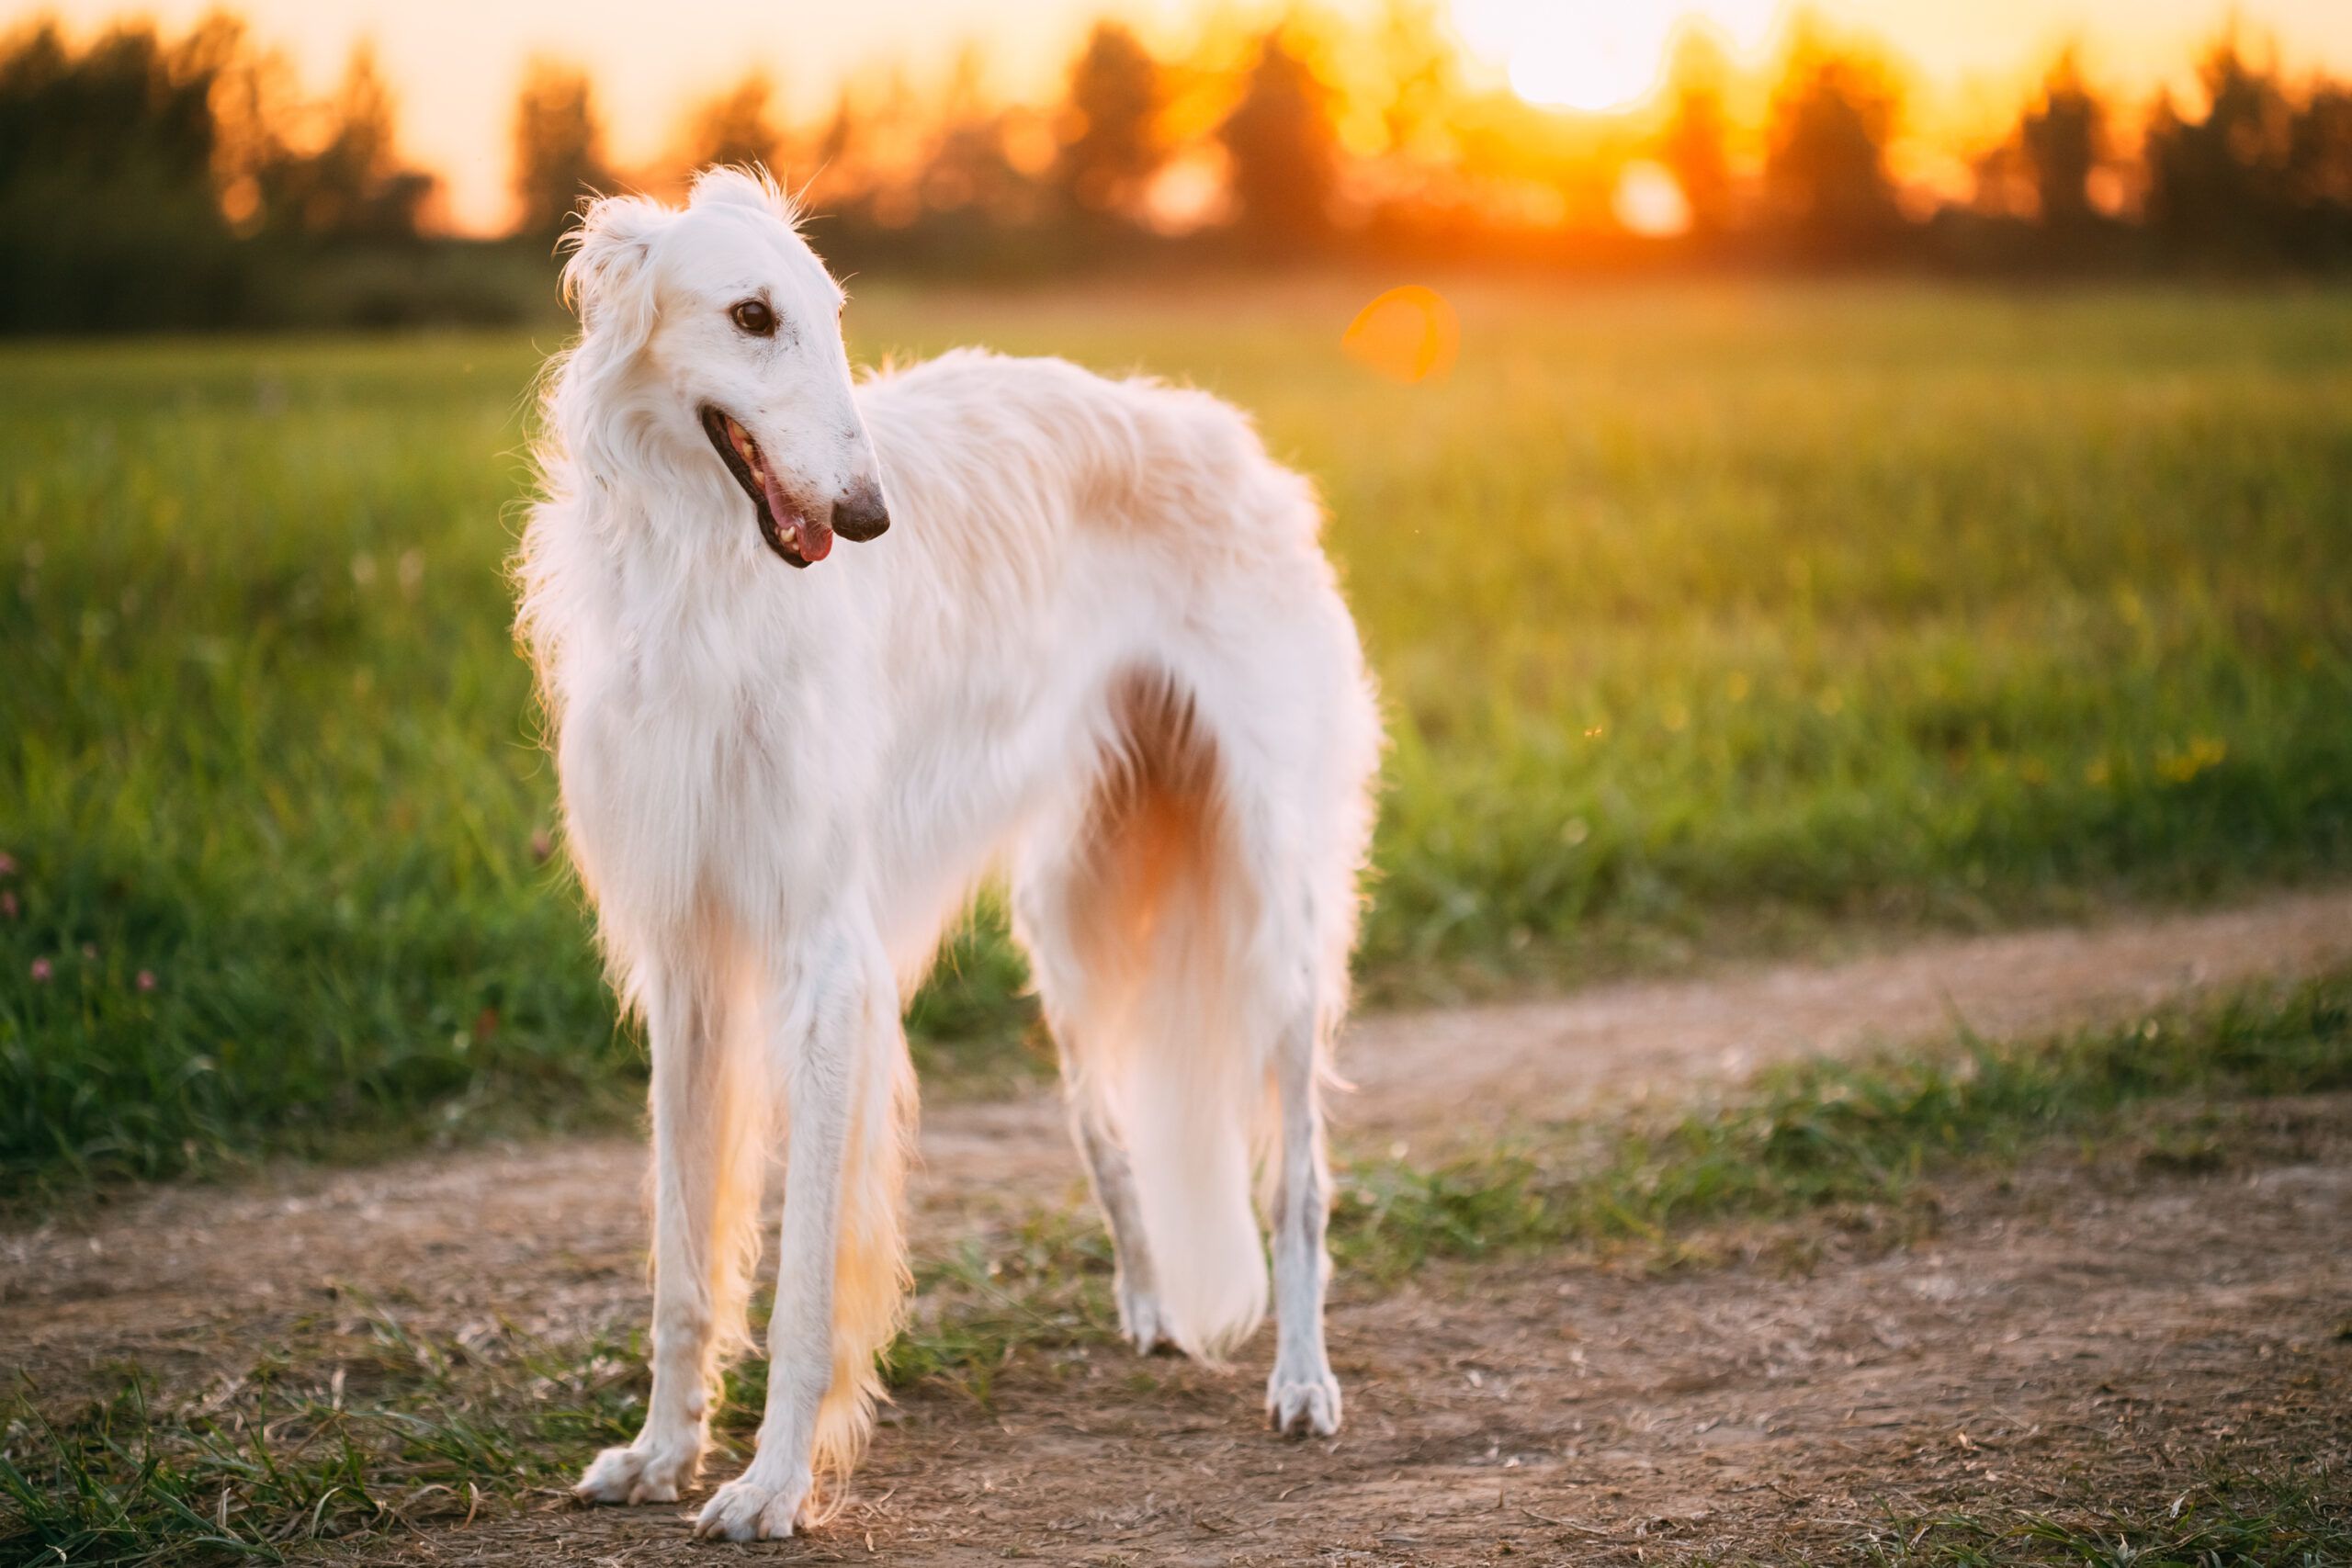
<point x="837" y="1031"/>
<point x="691" y="1081"/>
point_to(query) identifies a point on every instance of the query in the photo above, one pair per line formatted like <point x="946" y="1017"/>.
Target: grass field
<point x="1708" y="618"/>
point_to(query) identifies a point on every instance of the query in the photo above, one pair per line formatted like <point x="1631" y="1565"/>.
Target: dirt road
<point x="2070" y="1325"/>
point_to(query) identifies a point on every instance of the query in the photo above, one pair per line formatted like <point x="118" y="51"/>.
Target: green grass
<point x="1707" y="618"/>
<point x="408" y="1431"/>
<point x="2283" y="1516"/>
<point x="409" y="1428"/>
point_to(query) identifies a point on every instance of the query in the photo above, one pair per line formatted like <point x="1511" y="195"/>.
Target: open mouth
<point x="788" y="530"/>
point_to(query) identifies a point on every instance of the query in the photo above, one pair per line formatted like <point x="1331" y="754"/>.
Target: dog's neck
<point x="680" y="584"/>
<point x="653" y="544"/>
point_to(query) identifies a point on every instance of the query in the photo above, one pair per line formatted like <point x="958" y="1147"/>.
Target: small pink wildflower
<point x="41" y="971"/>
<point x="146" y="981"/>
<point x="7" y="865"/>
<point x="8" y="905"/>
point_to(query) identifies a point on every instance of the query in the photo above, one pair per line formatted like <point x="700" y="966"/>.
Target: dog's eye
<point x="754" y="317"/>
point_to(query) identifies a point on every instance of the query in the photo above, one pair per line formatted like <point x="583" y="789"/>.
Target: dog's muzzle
<point x="792" y="527"/>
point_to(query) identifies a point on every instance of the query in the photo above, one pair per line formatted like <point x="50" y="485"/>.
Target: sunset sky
<point x="455" y="63"/>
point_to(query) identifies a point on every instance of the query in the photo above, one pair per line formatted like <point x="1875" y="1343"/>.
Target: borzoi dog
<point x="1089" y="638"/>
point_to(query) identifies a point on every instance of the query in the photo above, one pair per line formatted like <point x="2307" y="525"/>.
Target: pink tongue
<point x="816" y="541"/>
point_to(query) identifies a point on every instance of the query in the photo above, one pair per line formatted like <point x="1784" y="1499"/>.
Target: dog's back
<point x="1043" y="448"/>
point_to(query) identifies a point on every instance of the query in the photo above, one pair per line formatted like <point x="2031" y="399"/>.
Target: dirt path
<point x="2094" y="1336"/>
<point x="1724" y="1397"/>
<point x="1548" y="1059"/>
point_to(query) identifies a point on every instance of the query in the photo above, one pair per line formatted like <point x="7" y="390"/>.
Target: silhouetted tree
<point x="254" y="96"/>
<point x="1696" y="143"/>
<point x="109" y="217"/>
<point x="735" y="127"/>
<point x="2213" y="182"/>
<point x="558" y="147"/>
<point x="353" y="189"/>
<point x="2258" y="177"/>
<point x="1115" y="97"/>
<point x="1419" y="66"/>
<point x="1826" y="166"/>
<point x="2063" y="138"/>
<point x="967" y="170"/>
<point x="832" y="171"/>
<point x="1283" y="151"/>
<point x="2319" y="157"/>
<point x="2319" y="172"/>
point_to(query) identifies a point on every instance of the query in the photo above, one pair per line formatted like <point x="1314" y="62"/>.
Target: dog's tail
<point x="1145" y="928"/>
<point x="1193" y="1103"/>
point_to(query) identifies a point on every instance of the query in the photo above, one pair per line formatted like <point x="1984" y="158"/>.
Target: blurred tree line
<point x="149" y="183"/>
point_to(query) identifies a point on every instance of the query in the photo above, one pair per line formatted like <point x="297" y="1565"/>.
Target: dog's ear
<point x="608" y="281"/>
<point x="728" y="185"/>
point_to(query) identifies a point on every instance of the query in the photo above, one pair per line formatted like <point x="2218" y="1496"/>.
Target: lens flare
<point x="1650" y="200"/>
<point x="1407" y="335"/>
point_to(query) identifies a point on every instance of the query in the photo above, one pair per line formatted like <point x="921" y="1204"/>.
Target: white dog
<point x="1097" y="648"/>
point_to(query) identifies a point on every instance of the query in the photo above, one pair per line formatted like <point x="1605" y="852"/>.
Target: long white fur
<point x="1099" y="647"/>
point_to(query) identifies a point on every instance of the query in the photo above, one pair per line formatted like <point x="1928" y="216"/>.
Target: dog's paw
<point x="1307" y="1405"/>
<point x="752" y="1508"/>
<point x="1141" y="1321"/>
<point x="641" y="1472"/>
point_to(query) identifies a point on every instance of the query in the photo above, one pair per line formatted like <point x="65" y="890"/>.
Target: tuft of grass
<point x="119" y="1485"/>
<point x="1044" y="1286"/>
<point x="1707" y="616"/>
<point x="2291" y="1516"/>
<point x="385" y="1426"/>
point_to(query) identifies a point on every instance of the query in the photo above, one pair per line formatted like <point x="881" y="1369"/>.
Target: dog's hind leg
<point x="1296" y="810"/>
<point x="1044" y="886"/>
<point x="1302" y="1395"/>
<point x="1113" y="1179"/>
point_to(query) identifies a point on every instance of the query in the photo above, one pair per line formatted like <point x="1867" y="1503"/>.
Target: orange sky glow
<point x="456" y="62"/>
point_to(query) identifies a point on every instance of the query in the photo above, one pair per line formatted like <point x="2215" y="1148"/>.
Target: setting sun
<point x="1592" y="55"/>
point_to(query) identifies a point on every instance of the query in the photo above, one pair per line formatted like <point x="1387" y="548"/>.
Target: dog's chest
<point x="677" y="773"/>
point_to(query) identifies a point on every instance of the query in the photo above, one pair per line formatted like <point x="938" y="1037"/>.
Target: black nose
<point x="860" y="514"/>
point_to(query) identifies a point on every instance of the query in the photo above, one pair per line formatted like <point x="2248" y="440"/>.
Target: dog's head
<point x="717" y="331"/>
